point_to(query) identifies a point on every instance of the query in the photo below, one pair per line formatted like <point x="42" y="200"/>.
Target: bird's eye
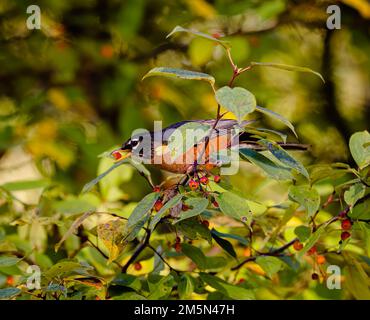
<point x="134" y="143"/>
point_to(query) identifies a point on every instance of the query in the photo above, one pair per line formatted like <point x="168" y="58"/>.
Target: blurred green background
<point x="73" y="89"/>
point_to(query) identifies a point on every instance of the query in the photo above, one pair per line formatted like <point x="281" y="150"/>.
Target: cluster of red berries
<point x="346" y="225"/>
<point x="194" y="184"/>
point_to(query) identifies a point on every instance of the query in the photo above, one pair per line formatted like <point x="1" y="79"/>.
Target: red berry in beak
<point x="205" y="223"/>
<point x="157" y="189"/>
<point x="217" y="179"/>
<point x="346" y="224"/>
<point x="345" y="235"/>
<point x="204" y="180"/>
<point x="117" y="155"/>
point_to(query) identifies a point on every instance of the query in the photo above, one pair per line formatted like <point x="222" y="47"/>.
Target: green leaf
<point x="88" y="186"/>
<point x="302" y="232"/>
<point x="180" y="73"/>
<point x="288" y="68"/>
<point x="25" y="185"/>
<point x="194" y="254"/>
<point x="233" y="205"/>
<point x="193" y="229"/>
<point x="167" y="206"/>
<point x="140" y="215"/>
<point x="9" y="293"/>
<point x="277" y="117"/>
<point x="177" y="29"/>
<point x="237" y="100"/>
<point x="8" y="261"/>
<point x="62" y="269"/>
<point x="284" y="157"/>
<point x="242" y="240"/>
<point x="185" y="286"/>
<point x="160" y="289"/>
<point x="354" y="193"/>
<point x="197" y="206"/>
<point x="360" y="148"/>
<point x="306" y="196"/>
<point x="200" y="259"/>
<point x="273" y="170"/>
<point x="315" y="236"/>
<point x="270" y="265"/>
<point x="224" y="244"/>
<point x="234" y="292"/>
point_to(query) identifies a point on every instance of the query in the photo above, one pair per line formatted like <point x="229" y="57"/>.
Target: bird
<point x="168" y="150"/>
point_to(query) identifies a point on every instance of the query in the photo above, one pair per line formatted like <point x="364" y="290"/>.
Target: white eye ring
<point x="134" y="143"/>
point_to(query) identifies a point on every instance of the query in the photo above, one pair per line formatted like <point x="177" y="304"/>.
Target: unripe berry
<point x="346" y="224"/>
<point x="345" y="235"/>
<point x="209" y="166"/>
<point x="138" y="266"/>
<point x="204" y="180"/>
<point x="314" y="276"/>
<point x="217" y="179"/>
<point x="193" y="184"/>
<point x="320" y="259"/>
<point x="297" y="245"/>
<point x="158" y="205"/>
<point x="117" y="155"/>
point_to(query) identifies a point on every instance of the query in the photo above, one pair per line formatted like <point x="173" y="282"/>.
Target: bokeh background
<point x="73" y="89"/>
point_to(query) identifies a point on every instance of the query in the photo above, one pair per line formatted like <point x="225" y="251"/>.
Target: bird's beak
<point x="120" y="154"/>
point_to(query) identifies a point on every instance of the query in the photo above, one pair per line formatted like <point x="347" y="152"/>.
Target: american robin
<point x="177" y="149"/>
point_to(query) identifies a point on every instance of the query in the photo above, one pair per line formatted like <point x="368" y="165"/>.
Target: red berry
<point x="107" y="51"/>
<point x="217" y="179"/>
<point x="320" y="259"/>
<point x="216" y="35"/>
<point x="215" y="204"/>
<point x="185" y="207"/>
<point x="204" y="180"/>
<point x="178" y="247"/>
<point x="345" y="235"/>
<point x="241" y="280"/>
<point x="297" y="245"/>
<point x="157" y="189"/>
<point x="138" y="266"/>
<point x="315" y="276"/>
<point x="158" y="205"/>
<point x="312" y="251"/>
<point x="117" y="155"/>
<point x="205" y="223"/>
<point x="346" y="224"/>
<point x="193" y="184"/>
<point x="10" y="281"/>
